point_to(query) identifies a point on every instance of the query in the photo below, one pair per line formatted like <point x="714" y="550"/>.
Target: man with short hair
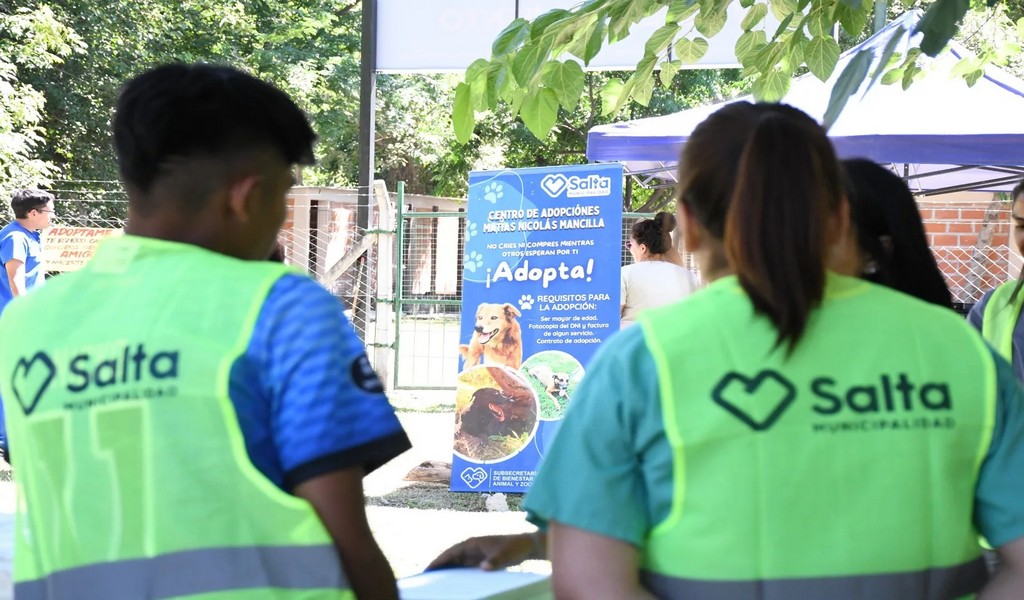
<point x="21" y="251"/>
<point x="189" y="419"/>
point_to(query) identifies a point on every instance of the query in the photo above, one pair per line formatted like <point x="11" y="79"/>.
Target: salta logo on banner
<point x="555" y="184"/>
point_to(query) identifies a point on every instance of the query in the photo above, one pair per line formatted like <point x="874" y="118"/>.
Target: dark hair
<point x="890" y="231"/>
<point x="180" y="111"/>
<point x="655" y="233"/>
<point x="1015" y="193"/>
<point x="765" y="179"/>
<point x="25" y="201"/>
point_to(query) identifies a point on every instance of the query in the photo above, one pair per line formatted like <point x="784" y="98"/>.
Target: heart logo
<point x="757" y="401"/>
<point x="554" y="184"/>
<point x="473" y="476"/>
<point x="30" y="381"/>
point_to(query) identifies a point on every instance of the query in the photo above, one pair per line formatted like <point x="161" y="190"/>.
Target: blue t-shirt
<point x="18" y="243"/>
<point x="609" y="470"/>
<point x="307" y="400"/>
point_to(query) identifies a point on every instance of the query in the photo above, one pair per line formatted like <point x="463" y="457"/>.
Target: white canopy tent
<point x="940" y="135"/>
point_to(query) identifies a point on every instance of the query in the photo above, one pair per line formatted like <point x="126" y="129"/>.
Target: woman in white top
<point x="654" y="278"/>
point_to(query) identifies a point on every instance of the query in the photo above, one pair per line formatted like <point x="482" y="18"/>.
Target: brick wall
<point x="970" y="239"/>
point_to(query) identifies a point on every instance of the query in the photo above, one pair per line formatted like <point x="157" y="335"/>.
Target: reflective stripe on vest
<point x="195" y="572"/>
<point x="856" y="454"/>
<point x="1000" y="319"/>
<point x="131" y="462"/>
<point x="933" y="584"/>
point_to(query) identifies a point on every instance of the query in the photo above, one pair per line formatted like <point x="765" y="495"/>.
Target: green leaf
<point x="892" y="76"/>
<point x="973" y="77"/>
<point x="965" y="65"/>
<point x="1020" y="28"/>
<point x="797" y="51"/>
<point x="748" y="45"/>
<point x="681" y="9"/>
<point x="541" y="23"/>
<point x="847" y="84"/>
<point x="691" y="51"/>
<point x="614" y="94"/>
<point x="594" y="43"/>
<point x="852" y="19"/>
<point x="510" y="38"/>
<point x="783" y="26"/>
<point x="887" y="54"/>
<point x="643" y="88"/>
<point x="668" y="71"/>
<point x="476" y="77"/>
<point x="782" y="8"/>
<point x="854" y="4"/>
<point x="909" y="75"/>
<point x="516" y="101"/>
<point x="710" y="23"/>
<point x="540" y="111"/>
<point x="771" y="86"/>
<point x="939" y="23"/>
<point x="746" y="3"/>
<point x="462" y="113"/>
<point x="755" y="14"/>
<point x="769" y="56"/>
<point x="529" y="59"/>
<point x="819" y="22"/>
<point x="821" y="56"/>
<point x="567" y="80"/>
<point x="661" y="38"/>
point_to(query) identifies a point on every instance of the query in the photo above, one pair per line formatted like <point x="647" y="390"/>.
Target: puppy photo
<point x="555" y="384"/>
<point x="497" y="337"/>
<point x="496" y="413"/>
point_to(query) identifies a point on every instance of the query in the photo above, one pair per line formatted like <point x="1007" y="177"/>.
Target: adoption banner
<point x="69" y="248"/>
<point x="540" y="292"/>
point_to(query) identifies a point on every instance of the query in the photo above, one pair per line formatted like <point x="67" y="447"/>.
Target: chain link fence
<point x="399" y="279"/>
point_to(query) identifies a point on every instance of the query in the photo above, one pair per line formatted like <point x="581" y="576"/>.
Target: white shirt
<point x="653" y="283"/>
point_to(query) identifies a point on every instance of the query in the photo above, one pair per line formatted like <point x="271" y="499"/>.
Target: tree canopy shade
<point x="909" y="129"/>
<point x="536" y="66"/>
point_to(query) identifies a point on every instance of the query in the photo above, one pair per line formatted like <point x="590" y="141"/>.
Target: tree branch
<point x="344" y="10"/>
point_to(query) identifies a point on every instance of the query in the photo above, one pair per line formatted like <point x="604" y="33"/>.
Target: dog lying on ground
<point x="493" y="413"/>
<point x="497" y="337"/>
<point x="555" y="384"/>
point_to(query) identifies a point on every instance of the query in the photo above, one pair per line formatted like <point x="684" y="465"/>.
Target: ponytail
<point x="655" y="233"/>
<point x="787" y="190"/>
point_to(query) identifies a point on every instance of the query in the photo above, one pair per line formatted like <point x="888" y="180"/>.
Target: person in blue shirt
<point x="21" y="254"/>
<point x="21" y="251"/>
<point x="206" y="155"/>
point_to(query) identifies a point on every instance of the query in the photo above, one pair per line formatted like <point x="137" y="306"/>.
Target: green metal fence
<point x="428" y="298"/>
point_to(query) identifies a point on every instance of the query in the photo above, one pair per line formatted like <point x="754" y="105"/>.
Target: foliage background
<point x="62" y="62"/>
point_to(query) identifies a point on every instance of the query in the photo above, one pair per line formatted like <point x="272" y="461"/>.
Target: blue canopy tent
<point x="940" y="135"/>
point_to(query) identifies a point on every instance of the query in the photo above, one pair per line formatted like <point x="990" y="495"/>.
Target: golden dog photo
<point x="497" y="337"/>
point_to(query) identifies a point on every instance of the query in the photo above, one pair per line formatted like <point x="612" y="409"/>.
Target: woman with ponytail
<point x="998" y="315"/>
<point x="653" y="279"/>
<point x="786" y="432"/>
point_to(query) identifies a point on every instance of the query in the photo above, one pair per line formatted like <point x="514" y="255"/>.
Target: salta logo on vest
<point x="894" y="402"/>
<point x="94" y="376"/>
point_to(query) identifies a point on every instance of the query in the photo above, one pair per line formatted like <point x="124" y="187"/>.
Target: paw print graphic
<point x="474" y="260"/>
<point x="471" y="230"/>
<point x="493" y="192"/>
<point x="526" y="302"/>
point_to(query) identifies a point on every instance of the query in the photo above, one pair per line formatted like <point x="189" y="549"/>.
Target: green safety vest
<point x="1000" y="319"/>
<point x="132" y="474"/>
<point x="845" y="471"/>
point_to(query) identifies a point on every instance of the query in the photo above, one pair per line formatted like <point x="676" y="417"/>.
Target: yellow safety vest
<point x="846" y="470"/>
<point x="132" y="475"/>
